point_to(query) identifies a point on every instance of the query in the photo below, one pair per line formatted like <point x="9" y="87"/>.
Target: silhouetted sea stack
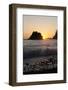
<point x="36" y="36"/>
<point x="55" y="36"/>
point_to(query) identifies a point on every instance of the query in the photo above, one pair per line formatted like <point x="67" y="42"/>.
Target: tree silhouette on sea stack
<point x="36" y="36"/>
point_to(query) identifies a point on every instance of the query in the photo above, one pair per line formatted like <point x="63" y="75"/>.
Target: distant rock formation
<point x="55" y="36"/>
<point x="36" y="36"/>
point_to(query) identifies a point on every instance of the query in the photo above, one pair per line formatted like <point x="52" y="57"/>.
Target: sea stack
<point x="55" y="36"/>
<point x="36" y="36"/>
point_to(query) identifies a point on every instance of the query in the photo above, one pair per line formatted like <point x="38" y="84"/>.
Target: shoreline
<point x="40" y="65"/>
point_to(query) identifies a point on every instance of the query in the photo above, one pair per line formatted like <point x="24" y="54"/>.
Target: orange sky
<point x="46" y="25"/>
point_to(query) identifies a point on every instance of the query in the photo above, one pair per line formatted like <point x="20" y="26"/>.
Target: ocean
<point x="37" y="48"/>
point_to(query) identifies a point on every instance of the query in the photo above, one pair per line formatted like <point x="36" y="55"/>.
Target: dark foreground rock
<point x="40" y="65"/>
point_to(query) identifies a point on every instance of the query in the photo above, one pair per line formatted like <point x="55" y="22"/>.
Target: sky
<point x="46" y="25"/>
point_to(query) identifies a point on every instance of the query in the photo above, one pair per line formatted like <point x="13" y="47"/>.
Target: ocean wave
<point x="31" y="53"/>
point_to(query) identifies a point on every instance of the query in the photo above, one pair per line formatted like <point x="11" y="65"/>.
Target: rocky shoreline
<point x="40" y="65"/>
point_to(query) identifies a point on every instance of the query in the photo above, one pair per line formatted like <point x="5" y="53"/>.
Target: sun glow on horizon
<point x="44" y="37"/>
<point x="48" y="35"/>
